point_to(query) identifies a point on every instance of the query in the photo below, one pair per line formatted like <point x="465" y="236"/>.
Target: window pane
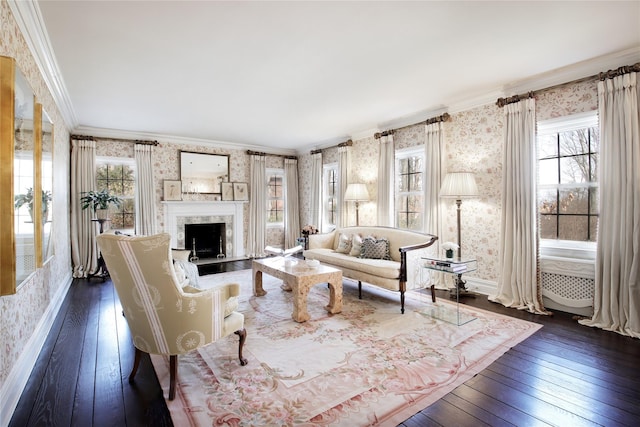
<point x="548" y="228"/>
<point x="547" y="146"/>
<point x="402" y="220"/>
<point x="594" y="167"/>
<point x="574" y="201"/>
<point x="574" y="142"/>
<point x="414" y="203"/>
<point x="414" y="221"/>
<point x="416" y="182"/>
<point x="404" y="166"/>
<point x="574" y="169"/>
<point x="573" y="227"/>
<point x="547" y="202"/>
<point x="548" y="171"/>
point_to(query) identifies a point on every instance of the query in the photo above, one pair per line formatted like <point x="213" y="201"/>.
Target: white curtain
<point x="433" y="208"/>
<point x="386" y="176"/>
<point x="257" y="207"/>
<point x="292" y="209"/>
<point x="84" y="250"/>
<point x="316" y="190"/>
<point x="343" y="181"/>
<point x="518" y="283"/>
<point x="617" y="284"/>
<point x="145" y="195"/>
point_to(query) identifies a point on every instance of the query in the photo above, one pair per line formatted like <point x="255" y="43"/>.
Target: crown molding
<point x="579" y="70"/>
<point x="29" y="19"/>
<point x="173" y="139"/>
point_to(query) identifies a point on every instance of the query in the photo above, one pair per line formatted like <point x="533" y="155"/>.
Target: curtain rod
<point x="134" y="141"/>
<point x="501" y="102"/>
<point x="441" y="118"/>
<point x="347" y="143"/>
<point x="626" y="69"/>
<point x="260" y="153"/>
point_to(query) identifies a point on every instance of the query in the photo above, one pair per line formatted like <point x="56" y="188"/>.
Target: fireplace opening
<point x="209" y="240"/>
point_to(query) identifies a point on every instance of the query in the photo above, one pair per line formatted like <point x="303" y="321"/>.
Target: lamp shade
<point x="356" y="193"/>
<point x="459" y="185"/>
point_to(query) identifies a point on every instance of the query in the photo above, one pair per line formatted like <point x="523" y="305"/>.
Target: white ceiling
<point x="298" y="75"/>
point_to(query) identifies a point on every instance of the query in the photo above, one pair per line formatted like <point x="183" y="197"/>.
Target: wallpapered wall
<point x="21" y="313"/>
<point x="473" y="143"/>
<point x="166" y="164"/>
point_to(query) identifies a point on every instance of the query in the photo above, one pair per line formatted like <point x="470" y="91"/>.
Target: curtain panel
<point x="256" y="236"/>
<point x="84" y="249"/>
<point x="145" y="196"/>
<point x="316" y="191"/>
<point x="343" y="181"/>
<point x="616" y="305"/>
<point x="519" y="280"/>
<point x="433" y="207"/>
<point x="292" y="206"/>
<point x="386" y="177"/>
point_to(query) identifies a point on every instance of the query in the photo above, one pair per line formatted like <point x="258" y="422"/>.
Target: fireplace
<point x="179" y="214"/>
<point x="209" y="239"/>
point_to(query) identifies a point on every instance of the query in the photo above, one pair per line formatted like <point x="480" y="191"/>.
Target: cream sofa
<point x="400" y="273"/>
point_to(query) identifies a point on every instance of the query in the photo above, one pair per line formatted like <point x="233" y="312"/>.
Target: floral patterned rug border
<point x="369" y="365"/>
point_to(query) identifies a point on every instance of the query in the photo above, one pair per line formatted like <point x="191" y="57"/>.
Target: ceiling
<point x="298" y="75"/>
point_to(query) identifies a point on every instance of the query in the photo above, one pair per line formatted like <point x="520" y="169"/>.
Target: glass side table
<point x="456" y="267"/>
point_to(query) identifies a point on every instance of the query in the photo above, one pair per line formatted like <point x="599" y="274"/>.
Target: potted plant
<point x="99" y="202"/>
<point x="27" y="199"/>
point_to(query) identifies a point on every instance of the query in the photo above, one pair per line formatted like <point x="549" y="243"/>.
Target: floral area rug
<point x="369" y="365"/>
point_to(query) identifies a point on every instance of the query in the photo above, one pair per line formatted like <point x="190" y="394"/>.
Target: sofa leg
<point x="242" y="333"/>
<point x="402" y="302"/>
<point x="359" y="289"/>
<point x="433" y="293"/>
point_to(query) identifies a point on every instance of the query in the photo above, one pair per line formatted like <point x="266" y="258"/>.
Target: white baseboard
<point x="17" y="379"/>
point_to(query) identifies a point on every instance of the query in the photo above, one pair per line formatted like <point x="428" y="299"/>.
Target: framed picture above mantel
<point x="203" y="173"/>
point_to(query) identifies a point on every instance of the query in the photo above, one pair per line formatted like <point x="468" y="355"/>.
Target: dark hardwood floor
<point x="563" y="375"/>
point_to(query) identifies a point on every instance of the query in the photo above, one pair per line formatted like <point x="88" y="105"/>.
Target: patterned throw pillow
<point x="375" y="248"/>
<point x="356" y="245"/>
<point x="344" y="244"/>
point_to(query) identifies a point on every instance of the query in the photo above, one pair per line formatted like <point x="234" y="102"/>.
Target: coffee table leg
<point x="300" y="292"/>
<point x="335" y="297"/>
<point x="257" y="284"/>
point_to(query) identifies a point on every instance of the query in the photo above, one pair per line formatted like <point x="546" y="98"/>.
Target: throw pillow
<point x="180" y="254"/>
<point x="375" y="248"/>
<point x="180" y="274"/>
<point x="344" y="243"/>
<point x="356" y="245"/>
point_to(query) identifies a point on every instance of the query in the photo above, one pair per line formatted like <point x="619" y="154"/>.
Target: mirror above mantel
<point x="203" y="173"/>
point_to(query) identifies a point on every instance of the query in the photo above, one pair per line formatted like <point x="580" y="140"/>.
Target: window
<point x="330" y="191"/>
<point x="409" y="189"/>
<point x="118" y="177"/>
<point x="275" y="197"/>
<point x="568" y="154"/>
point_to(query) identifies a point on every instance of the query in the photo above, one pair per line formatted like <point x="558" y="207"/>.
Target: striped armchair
<point x="165" y="318"/>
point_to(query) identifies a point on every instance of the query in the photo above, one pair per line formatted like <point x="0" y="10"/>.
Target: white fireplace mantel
<point x="177" y="209"/>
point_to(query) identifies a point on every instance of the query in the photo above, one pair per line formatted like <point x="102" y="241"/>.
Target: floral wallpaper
<point x="473" y="143"/>
<point x="23" y="311"/>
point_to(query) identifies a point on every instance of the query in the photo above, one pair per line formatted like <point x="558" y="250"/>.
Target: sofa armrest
<point x="403" y="258"/>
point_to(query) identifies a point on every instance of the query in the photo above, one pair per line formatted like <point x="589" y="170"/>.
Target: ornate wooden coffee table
<point x="299" y="279"/>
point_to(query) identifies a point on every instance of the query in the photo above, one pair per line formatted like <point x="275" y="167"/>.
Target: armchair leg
<point x="242" y="333"/>
<point x="173" y="372"/>
<point x="359" y="289"/>
<point x="136" y="364"/>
